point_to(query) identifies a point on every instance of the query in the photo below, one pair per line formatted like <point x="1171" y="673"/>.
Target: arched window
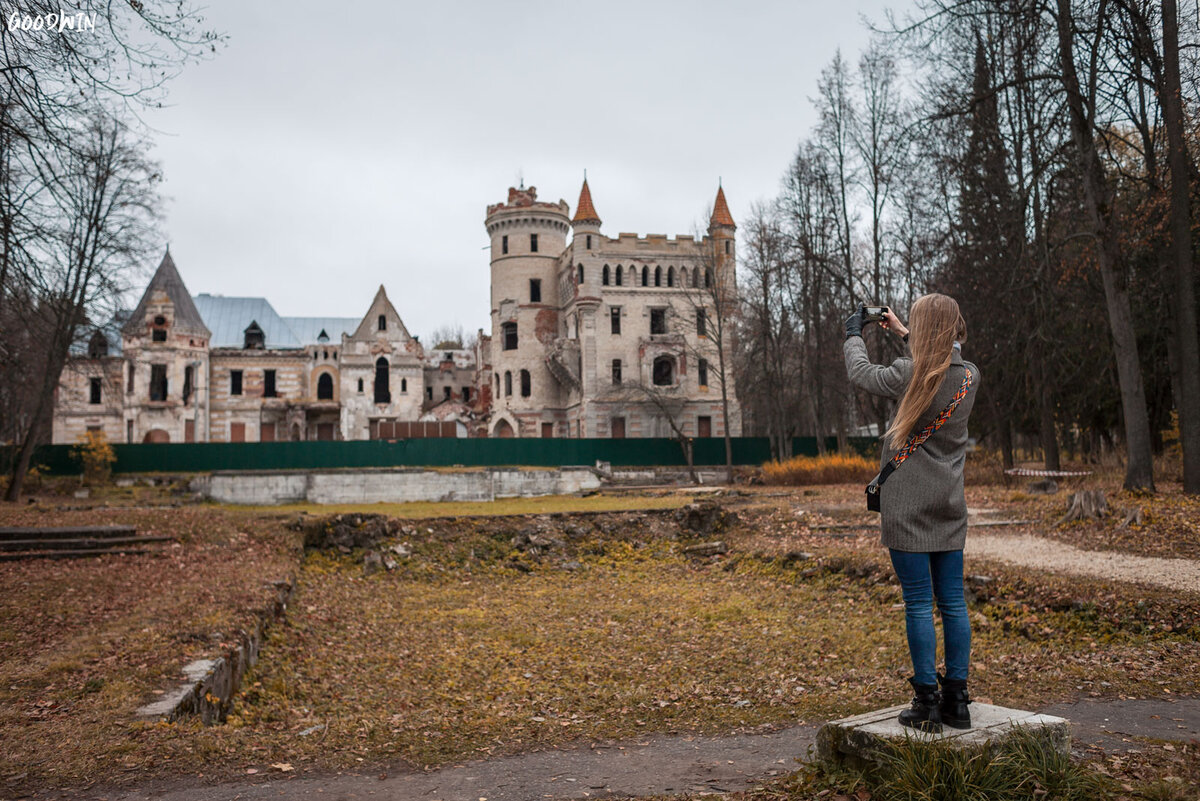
<point x="670" y="276"/>
<point x="658" y="276"/>
<point x="383" y="393"/>
<point x="695" y="277"/>
<point x="645" y="276"/>
<point x="526" y="384"/>
<point x="664" y="371"/>
<point x="581" y="274"/>
<point x="618" y="276"/>
<point x="404" y="385"/>
<point x="507" y="383"/>
<point x="497" y="385"/>
<point x="325" y="387"/>
<point x="683" y="277"/>
<point x="383" y="322"/>
<point x="708" y="277"/>
<point x="604" y="276"/>
<point x="360" y="385"/>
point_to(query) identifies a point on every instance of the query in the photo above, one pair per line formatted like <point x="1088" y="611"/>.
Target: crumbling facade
<point x="608" y="337"/>
<point x="591" y="336"/>
<point x="224" y="369"/>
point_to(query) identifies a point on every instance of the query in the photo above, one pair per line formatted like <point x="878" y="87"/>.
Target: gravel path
<point x="1031" y="551"/>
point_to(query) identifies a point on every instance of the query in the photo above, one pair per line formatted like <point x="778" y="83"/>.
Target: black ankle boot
<point x="955" y="713"/>
<point x="925" y="714"/>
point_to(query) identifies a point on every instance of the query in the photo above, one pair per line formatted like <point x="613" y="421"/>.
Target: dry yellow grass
<point x="834" y="468"/>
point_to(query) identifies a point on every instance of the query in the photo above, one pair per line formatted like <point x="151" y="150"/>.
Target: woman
<point x="923" y="510"/>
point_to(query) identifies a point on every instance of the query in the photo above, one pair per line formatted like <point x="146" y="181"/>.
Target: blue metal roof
<point x="308" y="329"/>
<point x="227" y="318"/>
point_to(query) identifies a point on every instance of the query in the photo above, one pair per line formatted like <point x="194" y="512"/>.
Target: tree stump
<point x="1085" y="505"/>
<point x="1134" y="517"/>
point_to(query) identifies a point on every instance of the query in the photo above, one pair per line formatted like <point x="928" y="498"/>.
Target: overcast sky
<point x="332" y="147"/>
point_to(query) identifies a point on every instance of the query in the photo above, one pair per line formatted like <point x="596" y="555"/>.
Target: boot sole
<point x="923" y="726"/>
<point x="956" y="723"/>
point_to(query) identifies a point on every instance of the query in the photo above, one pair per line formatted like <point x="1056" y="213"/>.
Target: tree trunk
<point x="42" y="414"/>
<point x="1139" y="470"/>
<point x="1182" y="294"/>
<point x="1049" y="433"/>
<point x="725" y="417"/>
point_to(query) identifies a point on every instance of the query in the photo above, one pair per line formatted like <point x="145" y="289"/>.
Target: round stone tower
<point x="528" y="239"/>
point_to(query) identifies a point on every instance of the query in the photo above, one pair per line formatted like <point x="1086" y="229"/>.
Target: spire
<point x="167" y="279"/>
<point x="584" y="210"/>
<point x="720" y="214"/>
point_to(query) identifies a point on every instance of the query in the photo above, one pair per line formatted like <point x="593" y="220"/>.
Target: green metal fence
<point x="202" y="457"/>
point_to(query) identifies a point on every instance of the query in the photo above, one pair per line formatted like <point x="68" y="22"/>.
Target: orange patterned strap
<point x="915" y="440"/>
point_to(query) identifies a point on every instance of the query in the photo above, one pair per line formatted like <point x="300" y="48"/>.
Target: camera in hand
<point x="874" y="314"/>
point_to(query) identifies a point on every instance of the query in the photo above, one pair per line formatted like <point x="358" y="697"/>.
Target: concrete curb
<point x="211" y="683"/>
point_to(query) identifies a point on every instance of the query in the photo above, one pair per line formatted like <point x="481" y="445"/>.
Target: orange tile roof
<point x="584" y="210"/>
<point x="721" y="215"/>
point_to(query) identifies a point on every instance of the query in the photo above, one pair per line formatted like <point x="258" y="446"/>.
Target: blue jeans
<point x="924" y="576"/>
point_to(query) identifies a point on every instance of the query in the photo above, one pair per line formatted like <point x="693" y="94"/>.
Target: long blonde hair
<point x="936" y="325"/>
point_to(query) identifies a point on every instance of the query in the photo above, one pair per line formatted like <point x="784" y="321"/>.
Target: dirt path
<point x="1031" y="551"/>
<point x="653" y="766"/>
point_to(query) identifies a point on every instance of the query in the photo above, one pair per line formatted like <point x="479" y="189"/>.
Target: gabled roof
<point x="720" y="214"/>
<point x="368" y="328"/>
<point x="166" y="279"/>
<point x="584" y="210"/>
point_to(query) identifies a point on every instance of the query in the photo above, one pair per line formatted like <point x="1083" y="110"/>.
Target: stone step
<point x="76" y="554"/>
<point x="856" y="741"/>
<point x="64" y="532"/>
<point x="52" y="544"/>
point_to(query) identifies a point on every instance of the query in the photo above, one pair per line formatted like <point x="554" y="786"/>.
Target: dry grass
<point x="834" y="468"/>
<point x="473" y="647"/>
<point x="548" y="504"/>
<point x="83" y="643"/>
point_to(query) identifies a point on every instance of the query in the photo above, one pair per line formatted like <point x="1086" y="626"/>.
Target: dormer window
<point x="253" y="337"/>
<point x="159" y="332"/>
<point x="383" y="322"/>
<point x="97" y="346"/>
<point x="322" y="337"/>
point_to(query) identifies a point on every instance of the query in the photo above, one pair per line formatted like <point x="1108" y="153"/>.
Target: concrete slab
<point x="857" y="740"/>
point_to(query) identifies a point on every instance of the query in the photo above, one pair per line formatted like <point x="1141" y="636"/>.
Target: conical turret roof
<point x="720" y="214"/>
<point x="166" y="279"/>
<point x="584" y="210"/>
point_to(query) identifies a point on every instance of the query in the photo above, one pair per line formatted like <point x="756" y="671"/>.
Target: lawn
<point x="501" y="634"/>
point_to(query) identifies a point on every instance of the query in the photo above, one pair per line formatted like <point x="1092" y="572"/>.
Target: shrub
<point x="96" y="455"/>
<point x="834" y="468"/>
<point x="984" y="467"/>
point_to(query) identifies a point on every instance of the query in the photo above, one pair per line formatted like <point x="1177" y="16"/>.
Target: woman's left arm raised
<point x="888" y="382"/>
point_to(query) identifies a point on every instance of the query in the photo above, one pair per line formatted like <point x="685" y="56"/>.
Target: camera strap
<point x="916" y="440"/>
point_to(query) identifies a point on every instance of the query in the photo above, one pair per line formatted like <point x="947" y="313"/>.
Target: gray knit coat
<point x="922" y="505"/>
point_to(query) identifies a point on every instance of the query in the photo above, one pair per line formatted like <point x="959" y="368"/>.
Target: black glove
<point x="854" y="323"/>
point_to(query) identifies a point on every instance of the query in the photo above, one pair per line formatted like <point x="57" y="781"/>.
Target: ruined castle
<point x="595" y="337"/>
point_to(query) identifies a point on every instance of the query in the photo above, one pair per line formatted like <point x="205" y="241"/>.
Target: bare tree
<point x="1080" y="96"/>
<point x="1183" y="287"/>
<point x="770" y="355"/>
<point x="711" y="307"/>
<point x="103" y="193"/>
<point x="665" y="403"/>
